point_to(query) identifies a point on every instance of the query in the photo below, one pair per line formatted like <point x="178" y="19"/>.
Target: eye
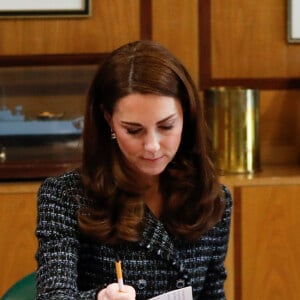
<point x="166" y="127"/>
<point x="133" y="131"/>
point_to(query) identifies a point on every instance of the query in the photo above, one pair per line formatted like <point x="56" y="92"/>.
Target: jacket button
<point x="180" y="283"/>
<point x="142" y="283"/>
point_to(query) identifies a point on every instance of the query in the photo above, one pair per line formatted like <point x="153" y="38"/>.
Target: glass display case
<point x="41" y="118"/>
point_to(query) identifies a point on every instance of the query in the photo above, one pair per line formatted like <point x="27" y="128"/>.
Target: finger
<point x="112" y="292"/>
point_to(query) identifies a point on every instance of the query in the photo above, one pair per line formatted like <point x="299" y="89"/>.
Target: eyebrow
<point x="159" y="122"/>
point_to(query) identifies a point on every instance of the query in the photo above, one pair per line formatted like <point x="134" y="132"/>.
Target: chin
<point x="153" y="172"/>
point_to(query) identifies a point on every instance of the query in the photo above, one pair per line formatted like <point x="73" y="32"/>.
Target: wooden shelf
<point x="269" y="175"/>
<point x="34" y="170"/>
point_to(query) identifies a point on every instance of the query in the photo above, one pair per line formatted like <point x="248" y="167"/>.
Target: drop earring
<point x="112" y="135"/>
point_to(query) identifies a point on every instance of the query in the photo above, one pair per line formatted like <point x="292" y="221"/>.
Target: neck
<point x="153" y="199"/>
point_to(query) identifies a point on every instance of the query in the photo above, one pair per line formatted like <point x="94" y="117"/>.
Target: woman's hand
<point x="111" y="292"/>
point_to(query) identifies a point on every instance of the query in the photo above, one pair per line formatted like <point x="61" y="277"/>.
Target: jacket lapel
<point x="156" y="238"/>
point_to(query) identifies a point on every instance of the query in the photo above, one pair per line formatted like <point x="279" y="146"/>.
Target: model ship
<point x="46" y="127"/>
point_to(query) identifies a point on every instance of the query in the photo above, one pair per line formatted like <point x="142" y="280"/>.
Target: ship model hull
<point x="16" y="130"/>
<point x="38" y="132"/>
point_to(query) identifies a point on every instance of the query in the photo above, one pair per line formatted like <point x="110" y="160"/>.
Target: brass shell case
<point x="232" y="114"/>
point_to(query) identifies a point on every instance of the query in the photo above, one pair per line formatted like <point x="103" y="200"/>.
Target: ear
<point x="107" y="117"/>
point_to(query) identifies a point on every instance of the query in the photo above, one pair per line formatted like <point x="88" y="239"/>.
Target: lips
<point x="153" y="159"/>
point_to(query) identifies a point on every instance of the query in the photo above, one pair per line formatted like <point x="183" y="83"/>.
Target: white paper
<point x="180" y="294"/>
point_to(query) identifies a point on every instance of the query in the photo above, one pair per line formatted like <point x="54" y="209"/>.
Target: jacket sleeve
<point x="58" y="244"/>
<point x="216" y="274"/>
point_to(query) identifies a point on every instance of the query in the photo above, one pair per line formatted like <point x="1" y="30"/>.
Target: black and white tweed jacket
<point x="72" y="267"/>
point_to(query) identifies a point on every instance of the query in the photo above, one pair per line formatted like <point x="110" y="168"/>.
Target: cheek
<point x="127" y="144"/>
<point x="175" y="142"/>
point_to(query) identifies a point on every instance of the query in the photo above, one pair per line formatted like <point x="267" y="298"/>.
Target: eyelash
<point x="166" y="127"/>
<point x="133" y="131"/>
<point x="136" y="131"/>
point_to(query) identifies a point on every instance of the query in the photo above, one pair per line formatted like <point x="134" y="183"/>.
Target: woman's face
<point x="148" y="129"/>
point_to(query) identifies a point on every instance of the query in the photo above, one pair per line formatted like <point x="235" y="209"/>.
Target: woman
<point x="147" y="191"/>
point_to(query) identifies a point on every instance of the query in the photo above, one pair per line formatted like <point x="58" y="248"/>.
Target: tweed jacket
<point x="73" y="267"/>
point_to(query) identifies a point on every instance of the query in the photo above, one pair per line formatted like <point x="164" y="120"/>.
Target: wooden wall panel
<point x="280" y="127"/>
<point x="175" y="25"/>
<point x="255" y="31"/>
<point x="113" y="22"/>
<point x="245" y="43"/>
<point x="270" y="244"/>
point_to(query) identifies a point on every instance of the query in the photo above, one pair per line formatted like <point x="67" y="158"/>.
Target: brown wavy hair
<point x="189" y="184"/>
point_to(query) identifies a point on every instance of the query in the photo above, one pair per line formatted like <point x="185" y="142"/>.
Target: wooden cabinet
<point x="268" y="242"/>
<point x="17" y="225"/>
<point x="263" y="260"/>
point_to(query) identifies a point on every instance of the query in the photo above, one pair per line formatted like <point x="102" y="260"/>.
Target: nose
<point x="152" y="142"/>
